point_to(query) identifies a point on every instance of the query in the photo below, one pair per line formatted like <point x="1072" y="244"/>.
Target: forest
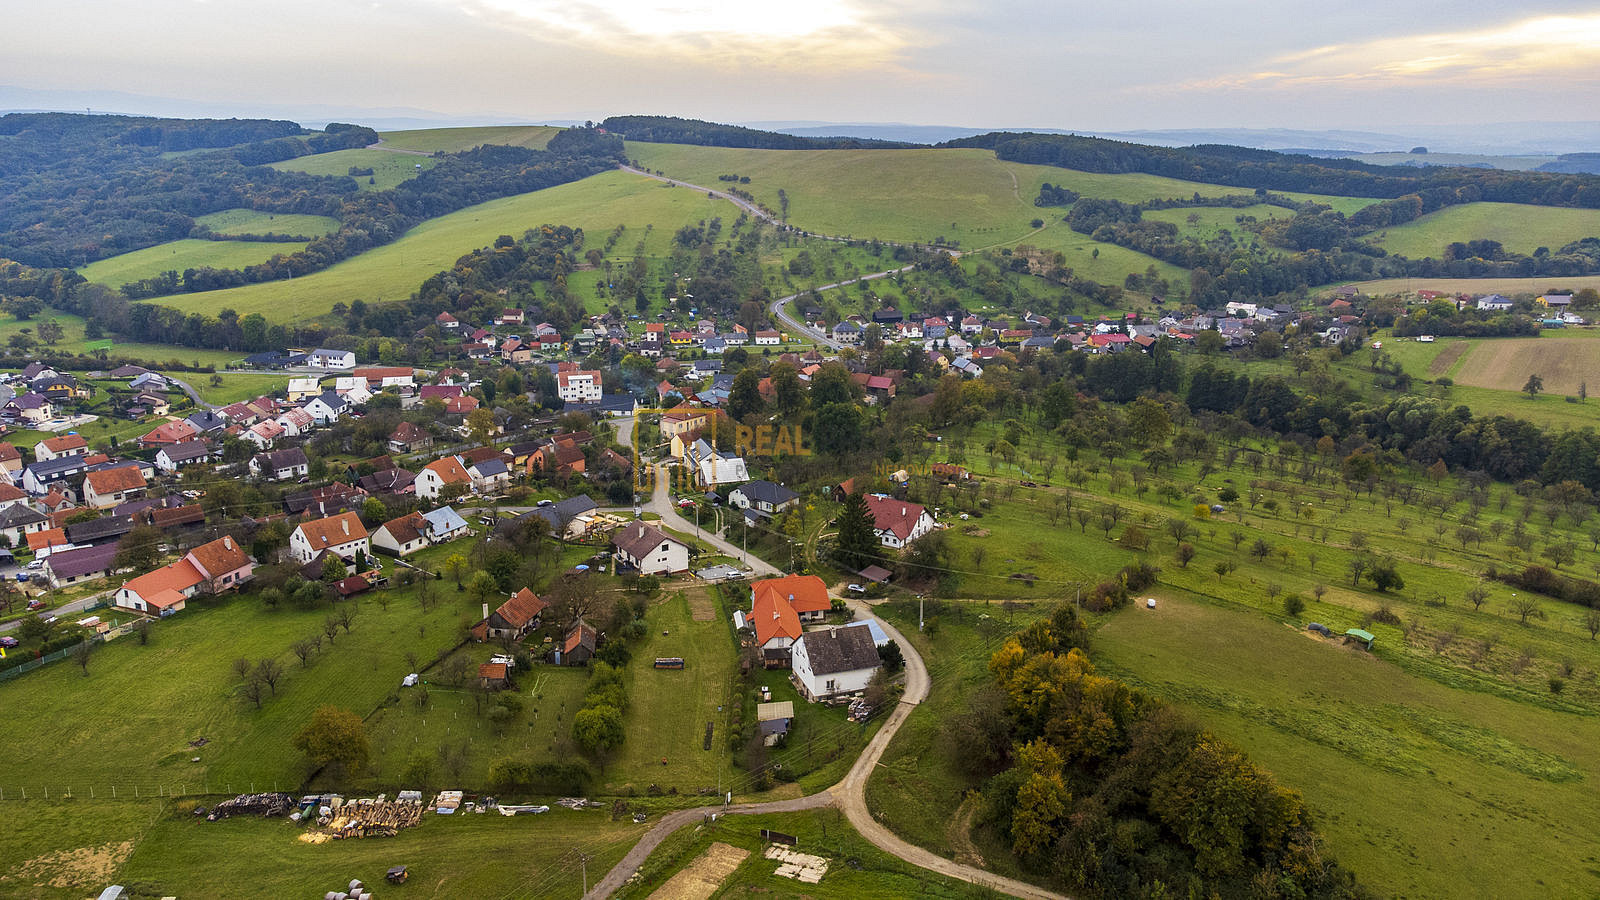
<point x="1437" y="186"/>
<point x="671" y="130"/>
<point x="80" y="188"/>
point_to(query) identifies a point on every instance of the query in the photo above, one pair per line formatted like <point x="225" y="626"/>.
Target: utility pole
<point x="583" y="860"/>
<point x="919" y="612"/>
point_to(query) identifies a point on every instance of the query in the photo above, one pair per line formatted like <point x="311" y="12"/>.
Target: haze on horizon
<point x="1147" y="64"/>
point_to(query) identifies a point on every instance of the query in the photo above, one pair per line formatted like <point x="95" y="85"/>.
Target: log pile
<point x="373" y="818"/>
<point x="264" y="805"/>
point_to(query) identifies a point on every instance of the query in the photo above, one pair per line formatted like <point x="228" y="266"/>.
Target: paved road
<point x="63" y="611"/>
<point x="661" y="504"/>
<point x="780" y="306"/>
<point x="193" y="394"/>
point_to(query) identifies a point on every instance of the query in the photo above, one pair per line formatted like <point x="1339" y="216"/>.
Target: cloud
<point x="1545" y="49"/>
<point x="783" y="35"/>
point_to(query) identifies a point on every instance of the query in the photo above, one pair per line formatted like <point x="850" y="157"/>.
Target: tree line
<point x="673" y="130"/>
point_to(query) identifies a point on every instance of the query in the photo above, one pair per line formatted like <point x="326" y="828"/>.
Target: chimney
<point x="486" y="610"/>
<point x="345" y="523"/>
<point x="227" y="543"/>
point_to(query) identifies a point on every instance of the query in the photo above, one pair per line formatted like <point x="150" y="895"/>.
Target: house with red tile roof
<point x="168" y="433"/>
<point x="109" y="487"/>
<point x="898" y="522"/>
<point x="439" y="474"/>
<point x="342" y="535"/>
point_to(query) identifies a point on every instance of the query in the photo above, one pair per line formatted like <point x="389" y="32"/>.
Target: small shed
<point x="1363" y="637"/>
<point x="349" y="587"/>
<point x="492" y="676"/>
<point x="876" y="573"/>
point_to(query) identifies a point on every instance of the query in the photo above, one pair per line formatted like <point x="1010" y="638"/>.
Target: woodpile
<point x="372" y="818"/>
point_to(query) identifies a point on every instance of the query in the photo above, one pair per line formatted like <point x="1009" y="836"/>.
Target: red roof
<point x="804" y="593"/>
<point x="896" y="516"/>
<point x="772" y="617"/>
<point x="169" y="433"/>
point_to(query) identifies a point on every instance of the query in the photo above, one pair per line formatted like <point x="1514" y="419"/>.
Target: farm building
<point x="835" y="661"/>
<point x="578" y="647"/>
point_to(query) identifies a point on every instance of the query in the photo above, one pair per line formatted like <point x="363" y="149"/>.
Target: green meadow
<point x="250" y="221"/>
<point x="179" y="255"/>
<point x="393" y="271"/>
<point x="1205" y="223"/>
<point x="454" y="140"/>
<point x="388" y="169"/>
<point x="1519" y="227"/>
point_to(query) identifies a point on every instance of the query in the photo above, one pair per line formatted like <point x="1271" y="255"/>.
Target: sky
<point x="1135" y="64"/>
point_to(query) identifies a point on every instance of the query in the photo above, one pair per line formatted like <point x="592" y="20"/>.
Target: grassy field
<point x="236" y="386"/>
<point x="250" y="221"/>
<point x="452" y="140"/>
<point x="1505" y="364"/>
<point x="981" y="200"/>
<point x="856" y="868"/>
<point x="1369" y="747"/>
<point x="1511" y="287"/>
<point x="71" y="848"/>
<point x="155" y="699"/>
<point x="388" y="169"/>
<point x="180" y="255"/>
<point x="392" y="272"/>
<point x="1519" y="227"/>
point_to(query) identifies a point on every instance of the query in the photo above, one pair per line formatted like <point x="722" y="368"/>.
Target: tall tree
<point x="857" y="535"/>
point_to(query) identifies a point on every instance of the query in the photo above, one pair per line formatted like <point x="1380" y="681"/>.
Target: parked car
<point x="36" y="564"/>
<point x="8" y="641"/>
<point x="35" y="604"/>
<point x="855" y="589"/>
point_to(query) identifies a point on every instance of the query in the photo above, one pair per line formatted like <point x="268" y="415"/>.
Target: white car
<point x="36" y="564"/>
<point x="855" y="589"/>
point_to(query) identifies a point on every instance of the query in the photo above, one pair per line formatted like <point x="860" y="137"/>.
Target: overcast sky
<point x="986" y="63"/>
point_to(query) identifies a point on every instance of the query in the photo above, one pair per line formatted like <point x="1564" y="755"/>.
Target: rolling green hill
<point x="185" y="254"/>
<point x="1518" y="227"/>
<point x="451" y="140"/>
<point x="249" y="221"/>
<point x="388" y="169"/>
<point x="392" y="272"/>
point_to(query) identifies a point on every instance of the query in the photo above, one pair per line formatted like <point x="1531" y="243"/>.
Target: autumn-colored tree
<point x="334" y="737"/>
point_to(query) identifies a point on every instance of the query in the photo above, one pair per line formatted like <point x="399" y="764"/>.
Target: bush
<point x="1294" y="605"/>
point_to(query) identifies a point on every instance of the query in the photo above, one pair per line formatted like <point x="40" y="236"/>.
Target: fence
<point x="138" y="790"/>
<point x="30" y="665"/>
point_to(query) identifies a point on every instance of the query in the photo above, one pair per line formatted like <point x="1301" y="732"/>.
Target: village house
<point x="807" y="595"/>
<point x="280" y="465"/>
<point x="834" y="661"/>
<point x="764" y="497"/>
<point x="647" y="550"/>
<point x="109" y="487"/>
<point x="579" y="644"/>
<point x="207" y="569"/>
<point x="10" y="460"/>
<point x="57" y="447"/>
<point x="342" y="535"/>
<point x="513" y="619"/>
<point x="898" y="522"/>
<point x="336" y="360"/>
<point x="579" y="385"/>
<point x="171" y="459"/>
<point x="79" y="564"/>
<point x="167" y="434"/>
<point x="440" y="474"/>
<point x="777" y="627"/>
<point x="409" y="437"/>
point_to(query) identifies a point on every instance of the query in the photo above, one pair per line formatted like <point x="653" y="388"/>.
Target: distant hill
<point x="672" y="130"/>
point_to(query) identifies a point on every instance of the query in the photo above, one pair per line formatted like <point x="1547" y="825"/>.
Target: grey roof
<point x="844" y="649"/>
<point x="561" y="512"/>
<point x="638" y="539"/>
<point x="60" y="467"/>
<point x="186" y="451"/>
<point x="82" y="561"/>
<point x="206" y="420"/>
<point x="766" y="492"/>
<point x="491" y="467"/>
<point x="389" y="481"/>
<point x="283" y="459"/>
<point x="99" y="530"/>
<point x="19" y="514"/>
<point x="708" y="365"/>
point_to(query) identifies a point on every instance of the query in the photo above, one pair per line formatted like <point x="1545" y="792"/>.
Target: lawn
<point x="250" y="221"/>
<point x="856" y="868"/>
<point x="70" y="849"/>
<point x="1369" y="746"/>
<point x="388" y="169"/>
<point x="128" y="723"/>
<point x="1519" y="227"/>
<point x="1564" y="364"/>
<point x="393" y="271"/>
<point x="235" y="386"/>
<point x="453" y="140"/>
<point x="1208" y="222"/>
<point x="179" y="255"/>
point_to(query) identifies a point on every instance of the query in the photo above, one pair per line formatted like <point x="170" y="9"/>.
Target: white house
<point x="648" y="550"/>
<point x="57" y="447"/>
<point x="489" y="475"/>
<point x="109" y="487"/>
<point x="331" y="359"/>
<point x="280" y="465"/>
<point x="835" y="661"/>
<point x="768" y="338"/>
<point x="302" y="388"/>
<point x="898" y="522"/>
<point x="763" y="496"/>
<point x="438" y="475"/>
<point x="343" y="534"/>
<point x="578" y="386"/>
<point x="171" y="459"/>
<point x="403" y="536"/>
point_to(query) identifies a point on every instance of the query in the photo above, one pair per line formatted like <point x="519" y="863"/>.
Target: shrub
<point x="1294" y="605"/>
